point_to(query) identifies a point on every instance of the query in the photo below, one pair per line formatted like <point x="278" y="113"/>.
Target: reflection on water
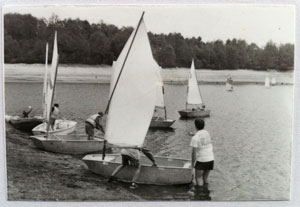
<point x="251" y="130"/>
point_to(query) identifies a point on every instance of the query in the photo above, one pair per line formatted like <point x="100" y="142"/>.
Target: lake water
<point x="251" y="129"/>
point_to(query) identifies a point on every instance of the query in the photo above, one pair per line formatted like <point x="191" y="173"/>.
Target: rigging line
<point x="107" y="107"/>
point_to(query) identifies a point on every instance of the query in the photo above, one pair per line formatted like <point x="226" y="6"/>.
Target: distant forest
<point x="80" y="42"/>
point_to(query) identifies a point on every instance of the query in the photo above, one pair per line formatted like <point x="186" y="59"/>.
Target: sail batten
<point x="193" y="95"/>
<point x="132" y="104"/>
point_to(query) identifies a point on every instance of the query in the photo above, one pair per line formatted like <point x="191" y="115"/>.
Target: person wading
<point x="202" y="153"/>
<point x="92" y="123"/>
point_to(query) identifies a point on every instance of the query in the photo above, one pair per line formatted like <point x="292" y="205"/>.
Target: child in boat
<point x="54" y="115"/>
<point x="131" y="157"/>
<point x="93" y="122"/>
<point x="202" y="153"/>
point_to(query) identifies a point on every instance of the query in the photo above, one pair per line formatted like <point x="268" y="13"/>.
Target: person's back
<point x="202" y="141"/>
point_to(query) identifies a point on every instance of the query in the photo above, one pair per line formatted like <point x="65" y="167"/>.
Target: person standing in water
<point x="202" y="153"/>
<point x="54" y="115"/>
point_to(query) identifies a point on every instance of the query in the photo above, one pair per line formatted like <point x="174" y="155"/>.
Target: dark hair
<point x="199" y="124"/>
<point x="56" y="105"/>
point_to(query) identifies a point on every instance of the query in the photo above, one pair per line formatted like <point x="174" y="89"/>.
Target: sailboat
<point x="273" y="81"/>
<point x="133" y="99"/>
<point x="27" y="124"/>
<point x="194" y="98"/>
<point x="67" y="143"/>
<point x="267" y="82"/>
<point x="229" y="84"/>
<point x="158" y="121"/>
<point x="62" y="127"/>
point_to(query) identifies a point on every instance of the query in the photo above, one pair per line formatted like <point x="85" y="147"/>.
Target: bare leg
<point x="199" y="174"/>
<point x="136" y="174"/>
<point x="205" y="176"/>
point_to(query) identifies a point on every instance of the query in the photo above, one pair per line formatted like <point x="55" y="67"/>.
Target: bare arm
<point x="193" y="156"/>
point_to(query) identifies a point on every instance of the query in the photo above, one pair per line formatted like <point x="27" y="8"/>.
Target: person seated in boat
<point x="131" y="157"/>
<point x="27" y="111"/>
<point x="202" y="153"/>
<point x="92" y="123"/>
<point x="54" y="115"/>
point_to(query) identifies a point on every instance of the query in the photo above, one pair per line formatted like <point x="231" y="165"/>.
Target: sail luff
<point x="45" y="84"/>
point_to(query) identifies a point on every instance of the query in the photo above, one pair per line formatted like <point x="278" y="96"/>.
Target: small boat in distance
<point x="133" y="99"/>
<point x="159" y="121"/>
<point x="229" y="83"/>
<point x="61" y="127"/>
<point x="273" y="81"/>
<point x="267" y="82"/>
<point x="60" y="142"/>
<point x="194" y="98"/>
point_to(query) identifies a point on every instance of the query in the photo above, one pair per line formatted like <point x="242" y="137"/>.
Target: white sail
<point x="267" y="82"/>
<point x="133" y="101"/>
<point x="45" y="84"/>
<point x="52" y="78"/>
<point x="193" y="95"/>
<point x="159" y="88"/>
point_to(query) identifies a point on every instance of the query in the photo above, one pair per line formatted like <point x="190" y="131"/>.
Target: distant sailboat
<point x="130" y="110"/>
<point x="158" y="121"/>
<point x="273" y="81"/>
<point x="267" y="82"/>
<point x="229" y="84"/>
<point x="194" y="98"/>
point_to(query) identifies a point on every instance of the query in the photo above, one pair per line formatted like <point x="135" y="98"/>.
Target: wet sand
<point x="43" y="176"/>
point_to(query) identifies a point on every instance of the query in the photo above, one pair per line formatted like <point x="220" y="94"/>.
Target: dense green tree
<point x="79" y="41"/>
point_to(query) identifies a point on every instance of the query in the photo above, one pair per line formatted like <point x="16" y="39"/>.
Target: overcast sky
<point x="254" y="23"/>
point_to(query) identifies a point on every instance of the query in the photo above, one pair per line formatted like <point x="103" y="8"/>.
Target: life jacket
<point x="92" y="120"/>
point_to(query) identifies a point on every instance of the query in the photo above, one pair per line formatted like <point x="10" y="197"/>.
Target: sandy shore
<point x="42" y="176"/>
<point x="102" y="74"/>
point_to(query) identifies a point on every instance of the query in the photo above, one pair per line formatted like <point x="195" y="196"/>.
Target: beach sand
<point x="31" y="175"/>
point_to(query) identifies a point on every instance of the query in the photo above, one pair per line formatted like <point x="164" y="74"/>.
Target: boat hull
<point x="158" y="122"/>
<point x="170" y="171"/>
<point x="62" y="127"/>
<point x="25" y="124"/>
<point x="189" y="113"/>
<point x="68" y="144"/>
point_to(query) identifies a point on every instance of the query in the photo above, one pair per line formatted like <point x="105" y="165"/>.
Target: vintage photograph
<point x="148" y="102"/>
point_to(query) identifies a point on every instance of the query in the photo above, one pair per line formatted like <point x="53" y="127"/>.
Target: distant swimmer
<point x="92" y="123"/>
<point x="27" y="111"/>
<point x="202" y="153"/>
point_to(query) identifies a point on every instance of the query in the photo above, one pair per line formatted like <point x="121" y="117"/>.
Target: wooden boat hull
<point x="62" y="127"/>
<point x="68" y="144"/>
<point x="170" y="171"/>
<point x="158" y="122"/>
<point x="189" y="113"/>
<point x="25" y="124"/>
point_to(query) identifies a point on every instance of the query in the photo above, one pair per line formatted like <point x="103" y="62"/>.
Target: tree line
<point x="80" y="42"/>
